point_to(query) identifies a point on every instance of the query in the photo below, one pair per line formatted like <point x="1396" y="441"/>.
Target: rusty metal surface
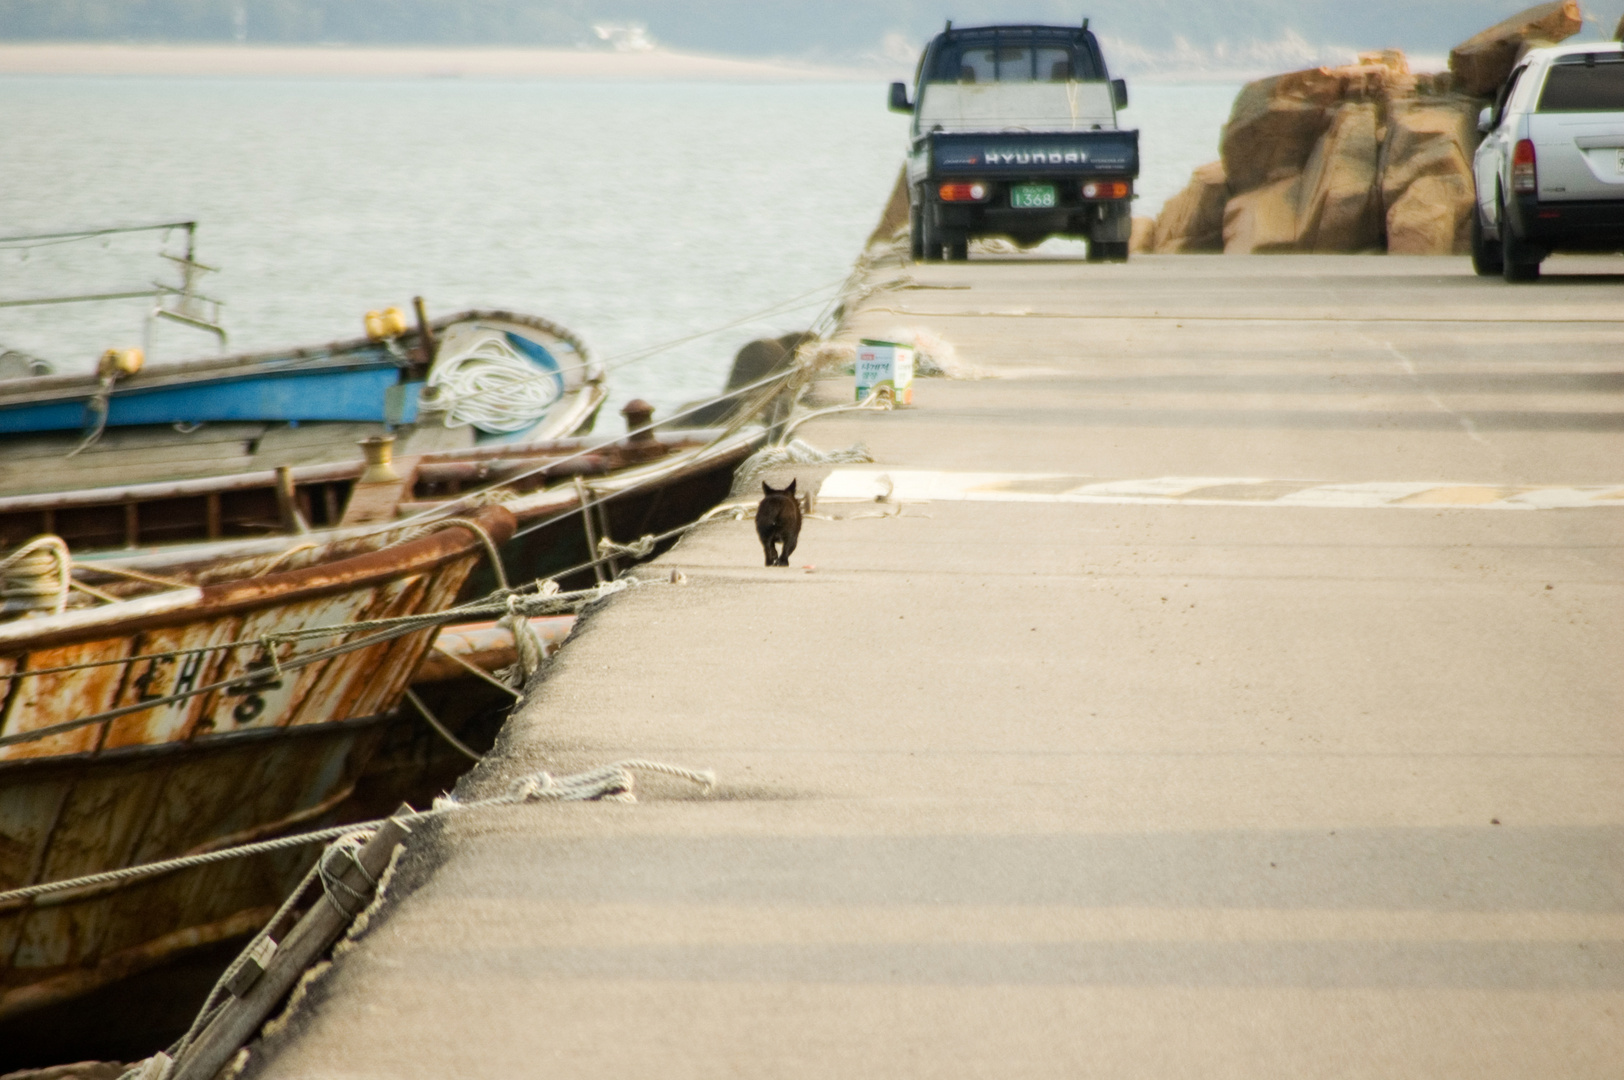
<point x="232" y="762"/>
<point x="485" y="645"/>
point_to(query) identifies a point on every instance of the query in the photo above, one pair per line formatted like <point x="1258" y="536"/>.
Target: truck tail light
<point x="1524" y="177"/>
<point x="1107" y="189"/>
<point x="973" y="192"/>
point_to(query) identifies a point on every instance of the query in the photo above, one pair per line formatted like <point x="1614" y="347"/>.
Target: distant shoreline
<point x="263" y="61"/>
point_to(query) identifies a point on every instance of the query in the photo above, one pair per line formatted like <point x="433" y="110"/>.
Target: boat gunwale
<point x="35" y="389"/>
<point x="400" y="559"/>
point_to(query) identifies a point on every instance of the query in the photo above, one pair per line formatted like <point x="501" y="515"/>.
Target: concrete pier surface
<point x="1247" y="721"/>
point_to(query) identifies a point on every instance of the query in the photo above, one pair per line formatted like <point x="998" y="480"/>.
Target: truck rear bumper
<point x="1101" y="221"/>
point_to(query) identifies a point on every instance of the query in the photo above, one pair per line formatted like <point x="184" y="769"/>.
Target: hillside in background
<point x="1146" y="34"/>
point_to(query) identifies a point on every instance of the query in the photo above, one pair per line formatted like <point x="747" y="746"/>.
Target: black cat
<point x="778" y="521"/>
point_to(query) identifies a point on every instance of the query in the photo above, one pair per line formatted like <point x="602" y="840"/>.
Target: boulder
<point x="1432" y="217"/>
<point x="1481" y="62"/>
<point x="1341" y="208"/>
<point x="1142" y="240"/>
<point x="1426" y="170"/>
<point x="1274" y="125"/>
<point x="1193" y="220"/>
<point x="1263" y="221"/>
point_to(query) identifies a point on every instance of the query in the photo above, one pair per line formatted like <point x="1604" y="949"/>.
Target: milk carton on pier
<point x="886" y="367"/>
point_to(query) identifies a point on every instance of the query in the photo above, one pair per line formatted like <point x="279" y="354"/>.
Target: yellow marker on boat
<point x="120" y="362"/>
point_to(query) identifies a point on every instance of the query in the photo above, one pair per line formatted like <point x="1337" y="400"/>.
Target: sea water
<point x="635" y="214"/>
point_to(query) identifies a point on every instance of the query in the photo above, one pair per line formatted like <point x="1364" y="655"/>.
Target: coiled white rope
<point x="490" y="386"/>
<point x="37" y="575"/>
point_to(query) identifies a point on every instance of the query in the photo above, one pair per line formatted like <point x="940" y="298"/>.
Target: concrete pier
<point x="1250" y="721"/>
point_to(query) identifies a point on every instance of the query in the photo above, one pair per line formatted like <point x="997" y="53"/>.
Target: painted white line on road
<point x="928" y="485"/>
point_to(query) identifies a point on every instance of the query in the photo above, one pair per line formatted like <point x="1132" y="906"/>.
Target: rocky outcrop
<point x="1141" y="241"/>
<point x="1193" y="220"/>
<point x="1364" y="157"/>
<point x="1338" y="209"/>
<point x="1482" y="62"/>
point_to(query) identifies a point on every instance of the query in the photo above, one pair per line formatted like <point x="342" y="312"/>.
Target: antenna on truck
<point x="1085" y="22"/>
<point x="948" y="27"/>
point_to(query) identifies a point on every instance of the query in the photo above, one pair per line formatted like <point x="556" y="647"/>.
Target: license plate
<point x="1032" y="196"/>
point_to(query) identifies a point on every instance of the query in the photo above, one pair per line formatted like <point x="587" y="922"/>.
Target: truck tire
<point x="1518" y="262"/>
<point x="1487" y="260"/>
<point x="958" y="246"/>
<point x="1107" y="251"/>
<point x="916" y="239"/>
<point x="930" y="236"/>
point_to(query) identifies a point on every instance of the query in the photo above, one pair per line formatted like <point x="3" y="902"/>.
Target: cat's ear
<point x="791" y="489"/>
<point x="765" y="490"/>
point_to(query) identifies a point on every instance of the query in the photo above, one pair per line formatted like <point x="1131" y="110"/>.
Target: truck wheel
<point x="930" y="237"/>
<point x="916" y="239"/>
<point x="1107" y="251"/>
<point x="958" y="246"/>
<point x="1519" y="262"/>
<point x="1487" y="260"/>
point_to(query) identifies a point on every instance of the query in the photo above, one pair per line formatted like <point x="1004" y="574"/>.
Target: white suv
<point x="1550" y="169"/>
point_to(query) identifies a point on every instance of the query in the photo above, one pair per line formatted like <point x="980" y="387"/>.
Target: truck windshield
<point x="1582" y="87"/>
<point x="1010" y="59"/>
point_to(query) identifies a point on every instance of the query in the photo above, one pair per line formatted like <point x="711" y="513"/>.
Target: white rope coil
<point x="36" y="576"/>
<point x="490" y="386"/>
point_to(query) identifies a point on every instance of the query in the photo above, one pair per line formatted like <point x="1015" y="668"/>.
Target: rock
<point x="1432" y="217"/>
<point x="1273" y="126"/>
<point x="1426" y="169"/>
<point x="1193" y="220"/>
<point x="1341" y="208"/>
<point x="1263" y="221"/>
<point x="1482" y="62"/>
<point x="1141" y="241"/>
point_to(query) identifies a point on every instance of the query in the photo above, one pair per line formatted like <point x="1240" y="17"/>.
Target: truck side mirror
<point x="1485" y="120"/>
<point x="1119" y="92"/>
<point x="899" y="98"/>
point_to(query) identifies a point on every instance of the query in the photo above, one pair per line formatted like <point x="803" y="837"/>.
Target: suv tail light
<point x="973" y="192"/>
<point x="1106" y="189"/>
<point x="1524" y="177"/>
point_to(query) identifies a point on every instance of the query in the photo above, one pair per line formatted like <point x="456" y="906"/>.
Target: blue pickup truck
<point x="1015" y="134"/>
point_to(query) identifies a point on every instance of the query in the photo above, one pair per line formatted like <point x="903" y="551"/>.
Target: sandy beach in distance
<point x="346" y="61"/>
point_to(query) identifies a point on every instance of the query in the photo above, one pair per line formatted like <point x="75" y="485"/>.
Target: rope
<point x="439" y="728"/>
<point x="393" y="628"/>
<point x="490" y="386"/>
<point x="38" y="570"/>
<point x="640" y="548"/>
<point x="478" y="530"/>
<point x="593" y="784"/>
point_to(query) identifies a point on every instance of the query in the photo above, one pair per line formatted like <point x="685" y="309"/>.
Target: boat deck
<point x="1243" y="717"/>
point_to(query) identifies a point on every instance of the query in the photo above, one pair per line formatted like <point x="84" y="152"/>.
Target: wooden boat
<point x="328" y="744"/>
<point x="239" y="757"/>
<point x="299" y="407"/>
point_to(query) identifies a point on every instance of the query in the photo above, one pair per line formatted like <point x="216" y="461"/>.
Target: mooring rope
<point x="614" y="779"/>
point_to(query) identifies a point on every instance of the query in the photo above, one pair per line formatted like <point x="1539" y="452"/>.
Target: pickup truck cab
<point x="1549" y="172"/>
<point x="1015" y="134"/>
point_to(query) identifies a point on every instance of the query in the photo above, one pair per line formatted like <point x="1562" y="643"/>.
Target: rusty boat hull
<point x="254" y="757"/>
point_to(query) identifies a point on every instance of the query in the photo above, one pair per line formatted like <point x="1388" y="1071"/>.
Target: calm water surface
<point x="633" y="213"/>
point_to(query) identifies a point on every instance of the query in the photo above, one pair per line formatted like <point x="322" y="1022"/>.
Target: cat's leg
<point x="767" y="545"/>
<point x="789" y="546"/>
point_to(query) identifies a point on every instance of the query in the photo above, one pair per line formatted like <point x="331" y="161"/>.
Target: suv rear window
<point x="1575" y="86"/>
<point x="1010" y="58"/>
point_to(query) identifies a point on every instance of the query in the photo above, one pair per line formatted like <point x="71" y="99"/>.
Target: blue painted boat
<point x="366" y="380"/>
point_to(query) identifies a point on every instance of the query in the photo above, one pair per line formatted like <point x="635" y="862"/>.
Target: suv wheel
<point x="1518" y="261"/>
<point x="1487" y="258"/>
